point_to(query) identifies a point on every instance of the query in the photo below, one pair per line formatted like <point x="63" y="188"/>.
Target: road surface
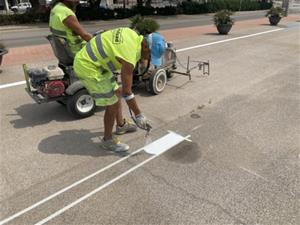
<point x="35" y="34"/>
<point x="240" y="168"/>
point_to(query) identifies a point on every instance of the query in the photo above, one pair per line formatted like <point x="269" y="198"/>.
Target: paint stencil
<point x="164" y="143"/>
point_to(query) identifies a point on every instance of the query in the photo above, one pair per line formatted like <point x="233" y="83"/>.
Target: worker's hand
<point x="142" y="122"/>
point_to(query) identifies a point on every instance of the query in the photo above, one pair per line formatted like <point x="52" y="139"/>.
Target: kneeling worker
<point x="116" y="50"/>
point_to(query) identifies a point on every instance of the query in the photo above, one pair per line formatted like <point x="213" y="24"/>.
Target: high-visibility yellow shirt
<point x="58" y="14"/>
<point x="103" y="50"/>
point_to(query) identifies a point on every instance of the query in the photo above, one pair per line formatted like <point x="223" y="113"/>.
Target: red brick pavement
<point x="40" y="53"/>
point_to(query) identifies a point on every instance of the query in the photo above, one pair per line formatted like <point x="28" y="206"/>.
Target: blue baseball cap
<point x="157" y="45"/>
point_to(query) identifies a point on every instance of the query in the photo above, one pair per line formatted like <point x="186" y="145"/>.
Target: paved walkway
<point x="40" y="53"/>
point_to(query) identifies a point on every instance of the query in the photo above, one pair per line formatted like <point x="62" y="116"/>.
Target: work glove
<point x="142" y="122"/>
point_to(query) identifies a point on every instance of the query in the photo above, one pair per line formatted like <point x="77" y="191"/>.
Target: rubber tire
<point x="153" y="81"/>
<point x="72" y="106"/>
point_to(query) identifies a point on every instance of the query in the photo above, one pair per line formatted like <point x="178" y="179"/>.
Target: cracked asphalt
<point x="242" y="166"/>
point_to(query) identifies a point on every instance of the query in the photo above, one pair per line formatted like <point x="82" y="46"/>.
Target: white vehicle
<point x="21" y="7"/>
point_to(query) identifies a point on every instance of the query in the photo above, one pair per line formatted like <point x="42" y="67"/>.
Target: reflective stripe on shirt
<point x="101" y="51"/>
<point x="100" y="47"/>
<point x="90" y="52"/>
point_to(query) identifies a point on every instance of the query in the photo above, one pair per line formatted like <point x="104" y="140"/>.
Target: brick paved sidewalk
<point x="41" y="53"/>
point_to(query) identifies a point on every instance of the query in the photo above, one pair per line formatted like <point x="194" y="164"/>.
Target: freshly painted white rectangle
<point x="164" y="143"/>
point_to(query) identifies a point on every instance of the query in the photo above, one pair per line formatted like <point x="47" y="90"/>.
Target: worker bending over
<point x="95" y="65"/>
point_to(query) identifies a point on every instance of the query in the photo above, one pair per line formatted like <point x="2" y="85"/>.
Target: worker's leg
<point x="111" y="112"/>
<point x="103" y="89"/>
<point x="119" y="116"/>
<point x="123" y="125"/>
<point x="109" y="142"/>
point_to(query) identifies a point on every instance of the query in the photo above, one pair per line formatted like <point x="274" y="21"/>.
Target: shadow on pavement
<point x="278" y="26"/>
<point x="35" y="114"/>
<point x="215" y="34"/>
<point x="74" y="142"/>
<point x="140" y="90"/>
<point x="185" y="152"/>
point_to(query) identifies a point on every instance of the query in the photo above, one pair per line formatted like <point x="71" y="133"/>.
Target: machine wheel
<point x="158" y="81"/>
<point x="81" y="104"/>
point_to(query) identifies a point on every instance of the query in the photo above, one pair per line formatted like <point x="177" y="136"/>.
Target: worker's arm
<point x="126" y="78"/>
<point x="72" y="23"/>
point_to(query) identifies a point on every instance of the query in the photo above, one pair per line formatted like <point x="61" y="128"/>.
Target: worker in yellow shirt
<point x="63" y="23"/>
<point x="95" y="65"/>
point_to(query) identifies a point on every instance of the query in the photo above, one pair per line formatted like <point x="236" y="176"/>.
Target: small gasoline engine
<point x="48" y="81"/>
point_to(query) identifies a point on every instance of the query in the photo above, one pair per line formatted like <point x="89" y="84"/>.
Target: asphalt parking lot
<point x="240" y="168"/>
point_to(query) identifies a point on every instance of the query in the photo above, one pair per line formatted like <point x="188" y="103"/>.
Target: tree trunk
<point x="285" y="6"/>
<point x="6" y="8"/>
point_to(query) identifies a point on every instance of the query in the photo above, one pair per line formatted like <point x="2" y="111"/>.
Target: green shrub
<point x="168" y="10"/>
<point x="2" y="46"/>
<point x="143" y="25"/>
<point x="120" y="13"/>
<point x="223" y="17"/>
<point x="29" y="17"/>
<point x="275" y="11"/>
<point x="135" y="20"/>
<point x="142" y="10"/>
<point x="195" y="7"/>
<point x="265" y="5"/>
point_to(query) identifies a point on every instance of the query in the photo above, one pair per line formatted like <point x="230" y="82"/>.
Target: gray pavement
<point x="17" y="36"/>
<point x="241" y="168"/>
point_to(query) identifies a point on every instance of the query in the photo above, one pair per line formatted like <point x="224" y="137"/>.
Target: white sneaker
<point x="114" y="145"/>
<point x="126" y="128"/>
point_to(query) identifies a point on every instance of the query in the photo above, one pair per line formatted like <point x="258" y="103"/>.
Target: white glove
<point x="142" y="122"/>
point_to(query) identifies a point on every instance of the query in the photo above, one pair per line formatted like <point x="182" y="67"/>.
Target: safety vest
<point x="103" y="50"/>
<point x="58" y="14"/>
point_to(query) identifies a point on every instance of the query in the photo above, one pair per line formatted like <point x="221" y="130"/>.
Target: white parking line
<point x="173" y="137"/>
<point x="67" y="188"/>
<point x="57" y="213"/>
<point x="227" y="40"/>
<point x="2" y="86"/>
<point x="179" y="50"/>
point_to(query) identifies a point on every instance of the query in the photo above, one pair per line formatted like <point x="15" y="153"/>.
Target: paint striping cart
<point x="156" y="78"/>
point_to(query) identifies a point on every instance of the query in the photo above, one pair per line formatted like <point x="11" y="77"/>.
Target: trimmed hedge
<point x="168" y="10"/>
<point x="193" y="7"/>
<point x="24" y="18"/>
